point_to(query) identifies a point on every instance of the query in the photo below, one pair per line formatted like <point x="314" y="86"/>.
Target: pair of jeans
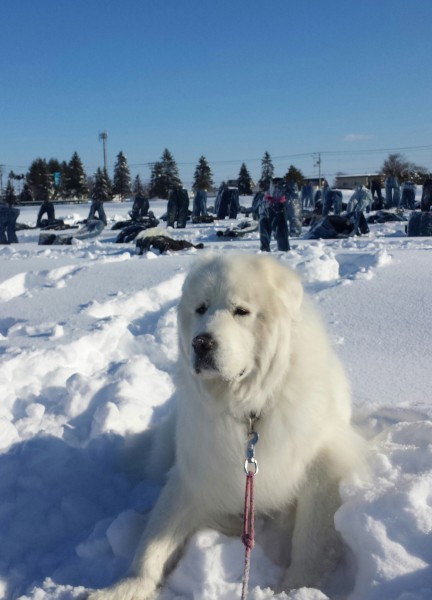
<point x="271" y="221"/>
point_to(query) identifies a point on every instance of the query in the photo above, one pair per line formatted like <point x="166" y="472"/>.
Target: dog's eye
<point x="202" y="308"/>
<point x="241" y="312"/>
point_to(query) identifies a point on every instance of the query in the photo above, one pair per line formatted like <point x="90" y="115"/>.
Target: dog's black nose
<point x="203" y="344"/>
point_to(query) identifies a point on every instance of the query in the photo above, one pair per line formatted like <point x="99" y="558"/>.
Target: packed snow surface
<point x="88" y="351"/>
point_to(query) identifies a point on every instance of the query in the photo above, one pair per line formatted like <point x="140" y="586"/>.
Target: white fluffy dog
<point x="250" y="344"/>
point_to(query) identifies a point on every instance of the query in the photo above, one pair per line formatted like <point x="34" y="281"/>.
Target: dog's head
<point x="235" y="319"/>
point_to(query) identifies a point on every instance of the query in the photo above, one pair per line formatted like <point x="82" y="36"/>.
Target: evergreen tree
<point x="244" y="181"/>
<point x="170" y="170"/>
<point x="267" y="172"/>
<point x="102" y="186"/>
<point x="40" y="180"/>
<point x="157" y="187"/>
<point x="164" y="176"/>
<point x="75" y="178"/>
<point x="122" y="178"/>
<point x="294" y="174"/>
<point x="203" y="179"/>
<point x="10" y="196"/>
<point x="138" y="187"/>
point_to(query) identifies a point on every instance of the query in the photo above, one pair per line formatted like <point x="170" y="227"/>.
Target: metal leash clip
<point x="251" y="465"/>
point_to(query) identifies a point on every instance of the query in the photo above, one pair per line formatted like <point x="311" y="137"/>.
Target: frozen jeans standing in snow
<point x="46" y="208"/>
<point x="222" y="204"/>
<point x="307" y="197"/>
<point x="140" y="207"/>
<point x="408" y="195"/>
<point x="200" y="204"/>
<point x="233" y="203"/>
<point x="333" y="200"/>
<point x="272" y="219"/>
<point x="8" y="218"/>
<point x="178" y="205"/>
<point x="392" y="192"/>
<point x="293" y="209"/>
<point x="426" y="199"/>
<point x="375" y="189"/>
<point x="97" y="207"/>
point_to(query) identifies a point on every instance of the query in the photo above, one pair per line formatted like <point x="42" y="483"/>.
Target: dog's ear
<point x="289" y="290"/>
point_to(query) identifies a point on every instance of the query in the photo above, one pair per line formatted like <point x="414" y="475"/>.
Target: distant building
<point x="349" y="182"/>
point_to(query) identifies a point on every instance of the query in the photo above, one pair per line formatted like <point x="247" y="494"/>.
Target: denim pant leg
<point x="182" y="213"/>
<point x="388" y="197"/>
<point x="396" y="197"/>
<point x="280" y="227"/>
<point x="4" y="222"/>
<point x="327" y="204"/>
<point x="411" y="199"/>
<point x="195" y="207"/>
<point x="204" y="206"/>
<point x="172" y="212"/>
<point x="101" y="212"/>
<point x="11" y="228"/>
<point x="265" y="229"/>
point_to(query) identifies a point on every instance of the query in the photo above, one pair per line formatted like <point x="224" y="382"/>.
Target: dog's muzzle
<point x="204" y="346"/>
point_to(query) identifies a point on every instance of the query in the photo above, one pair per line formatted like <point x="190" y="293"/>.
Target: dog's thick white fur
<point x="250" y="342"/>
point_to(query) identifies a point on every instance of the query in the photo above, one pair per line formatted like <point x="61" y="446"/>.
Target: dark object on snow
<point x="337" y="226"/>
<point x="46" y="208"/>
<point x="383" y="216"/>
<point x="8" y="219"/>
<point x="241" y="229"/>
<point x="130" y="229"/>
<point x="178" y="208"/>
<point x="420" y="224"/>
<point x="56" y="225"/>
<point x="199" y="208"/>
<point x="97" y="207"/>
<point x="408" y="195"/>
<point x="332" y="201"/>
<point x="426" y="199"/>
<point x="163" y="243"/>
<point x="23" y="227"/>
<point x="140" y="207"/>
<point x="227" y="203"/>
<point x="376" y="193"/>
<point x="203" y="219"/>
<point x="247" y="211"/>
<point x="52" y="239"/>
<point x="90" y="229"/>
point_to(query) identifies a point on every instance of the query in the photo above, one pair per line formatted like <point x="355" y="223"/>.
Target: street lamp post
<point x="103" y="136"/>
<point x="318" y="164"/>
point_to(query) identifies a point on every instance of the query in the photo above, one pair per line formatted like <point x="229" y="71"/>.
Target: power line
<point x="311" y="154"/>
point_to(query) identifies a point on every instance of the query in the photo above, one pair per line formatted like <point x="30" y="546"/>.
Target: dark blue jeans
<point x="274" y="221"/>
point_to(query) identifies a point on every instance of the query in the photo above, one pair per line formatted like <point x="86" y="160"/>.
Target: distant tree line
<point x="54" y="179"/>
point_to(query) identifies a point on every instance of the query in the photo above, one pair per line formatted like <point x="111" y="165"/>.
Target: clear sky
<point x="225" y="79"/>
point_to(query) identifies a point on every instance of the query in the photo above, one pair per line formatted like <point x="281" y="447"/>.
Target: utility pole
<point x="103" y="136"/>
<point x="318" y="164"/>
<point x="1" y="180"/>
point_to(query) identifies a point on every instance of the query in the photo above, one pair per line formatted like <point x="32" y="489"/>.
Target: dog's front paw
<point x="128" y="589"/>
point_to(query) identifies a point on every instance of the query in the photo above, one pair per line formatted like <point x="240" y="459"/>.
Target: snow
<point x="88" y="352"/>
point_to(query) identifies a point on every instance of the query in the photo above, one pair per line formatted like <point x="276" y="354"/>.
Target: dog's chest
<point x="214" y="459"/>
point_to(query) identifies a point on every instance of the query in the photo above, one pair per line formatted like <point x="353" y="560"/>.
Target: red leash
<point x="248" y="537"/>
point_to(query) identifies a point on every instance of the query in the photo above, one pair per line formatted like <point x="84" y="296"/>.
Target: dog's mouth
<point x="209" y="370"/>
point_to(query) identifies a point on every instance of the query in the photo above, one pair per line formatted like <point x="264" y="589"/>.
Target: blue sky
<point x="229" y="80"/>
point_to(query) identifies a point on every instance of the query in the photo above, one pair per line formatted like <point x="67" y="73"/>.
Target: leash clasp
<point x="251" y="465"/>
